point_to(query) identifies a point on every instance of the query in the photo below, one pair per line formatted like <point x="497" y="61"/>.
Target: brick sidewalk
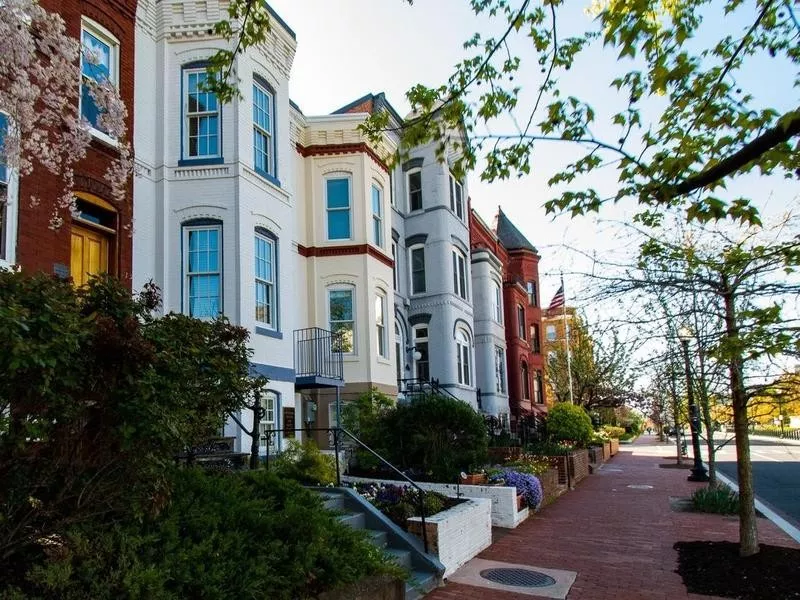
<point x="618" y="539"/>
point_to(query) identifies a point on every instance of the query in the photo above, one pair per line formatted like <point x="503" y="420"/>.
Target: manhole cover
<point x="640" y="487"/>
<point x="518" y="577"/>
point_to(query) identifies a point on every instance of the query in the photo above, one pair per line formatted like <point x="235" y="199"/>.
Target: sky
<point x="348" y="48"/>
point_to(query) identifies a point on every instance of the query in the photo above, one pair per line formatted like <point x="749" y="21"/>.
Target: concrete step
<point x="400" y="557"/>
<point x="420" y="583"/>
<point x="354" y="520"/>
<point x="378" y="538"/>
<point x="333" y="501"/>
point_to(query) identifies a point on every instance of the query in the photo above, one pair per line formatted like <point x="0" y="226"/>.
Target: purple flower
<point x="527" y="485"/>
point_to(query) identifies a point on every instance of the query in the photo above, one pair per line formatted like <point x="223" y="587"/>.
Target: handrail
<point x="336" y="431"/>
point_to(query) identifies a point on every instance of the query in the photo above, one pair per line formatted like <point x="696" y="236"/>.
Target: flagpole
<point x="566" y="341"/>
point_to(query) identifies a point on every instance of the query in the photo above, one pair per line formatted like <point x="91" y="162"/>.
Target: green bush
<point x="364" y="418"/>
<point x="568" y="422"/>
<point x="248" y="535"/>
<point x="719" y="499"/>
<point x="546" y="448"/>
<point x="435" y="436"/>
<point x="304" y="462"/>
<point x="614" y="432"/>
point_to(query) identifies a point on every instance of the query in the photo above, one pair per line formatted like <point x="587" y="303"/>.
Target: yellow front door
<point x="89" y="254"/>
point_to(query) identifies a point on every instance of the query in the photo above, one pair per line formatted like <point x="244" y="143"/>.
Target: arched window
<point x="202" y="267"/>
<point x="526" y="382"/>
<point x="463" y="367"/>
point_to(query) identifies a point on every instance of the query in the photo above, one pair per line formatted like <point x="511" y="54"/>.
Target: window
<point x="500" y="369"/>
<point x="398" y="351"/>
<point x="462" y="358"/>
<point x="456" y="197"/>
<point x="6" y="202"/>
<point x="526" y="384"/>
<point x="201" y="117"/>
<point x="460" y="273"/>
<point x="497" y="303"/>
<point x="521" y="321"/>
<point x="551" y="333"/>
<point x="3" y="166"/>
<point x="417" y="269"/>
<point x="269" y="401"/>
<point x="538" y="388"/>
<point x="340" y="311"/>
<point x="414" y="179"/>
<point x="337" y="199"/>
<point x="532" y="296"/>
<point x="263" y="130"/>
<point x="395" y="267"/>
<point x="265" y="281"/>
<point x="421" y="365"/>
<point x="203" y="268"/>
<point x="535" y="342"/>
<point x="380" y="325"/>
<point x="377" y="216"/>
<point x="99" y="53"/>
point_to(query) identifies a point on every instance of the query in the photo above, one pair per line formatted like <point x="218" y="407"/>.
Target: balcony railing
<point x="317" y="355"/>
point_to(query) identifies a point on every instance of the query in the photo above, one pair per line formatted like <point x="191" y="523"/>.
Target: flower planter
<point x="458" y="534"/>
<point x="551" y="488"/>
<point x="474" y="479"/>
<point x="521" y="502"/>
<point x="614" y="446"/>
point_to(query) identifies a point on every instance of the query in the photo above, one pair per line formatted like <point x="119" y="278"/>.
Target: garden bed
<point x="505" y="512"/>
<point x="400" y="501"/>
<point x="458" y="534"/>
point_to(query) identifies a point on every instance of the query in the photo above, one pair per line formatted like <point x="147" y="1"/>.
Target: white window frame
<point x="348" y="208"/>
<point x="456" y="197"/>
<point x="460" y="276"/>
<point x="398" y="350"/>
<point x="463" y="356"/>
<point x="408" y="190"/>
<point x="187" y="276"/>
<point x="271" y="284"/>
<point x="381" y="337"/>
<point x="105" y="36"/>
<point x="501" y="384"/>
<point x="352" y="290"/>
<point x="187" y="116"/>
<point x="411" y="251"/>
<point x="268" y="421"/>
<point x="270" y="153"/>
<point x="550" y="333"/>
<point x="526" y="380"/>
<point x="497" y="302"/>
<point x="421" y="339"/>
<point x="377" y="218"/>
<point x="521" y="322"/>
<point x="533" y="293"/>
<point x="8" y="221"/>
<point x="395" y="266"/>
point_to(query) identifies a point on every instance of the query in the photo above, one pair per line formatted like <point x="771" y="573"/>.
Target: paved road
<point x="776" y="475"/>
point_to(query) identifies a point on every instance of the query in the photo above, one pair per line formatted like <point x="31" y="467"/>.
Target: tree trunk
<point x="748" y="532"/>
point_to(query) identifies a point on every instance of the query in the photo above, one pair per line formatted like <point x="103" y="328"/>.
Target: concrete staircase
<point x="406" y="550"/>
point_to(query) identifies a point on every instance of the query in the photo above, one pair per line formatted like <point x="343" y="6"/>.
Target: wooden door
<point x="89" y="254"/>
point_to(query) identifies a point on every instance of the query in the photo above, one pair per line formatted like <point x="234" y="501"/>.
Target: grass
<point x="719" y="500"/>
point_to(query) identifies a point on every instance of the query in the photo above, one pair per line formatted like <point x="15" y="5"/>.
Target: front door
<point x="89" y="254"/>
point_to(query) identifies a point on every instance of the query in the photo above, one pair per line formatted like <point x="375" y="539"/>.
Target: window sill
<point x="384" y="360"/>
<point x="104" y="138"/>
<point x="269" y="332"/>
<point x="271" y="178"/>
<point x="200" y="162"/>
<point x="8" y="266"/>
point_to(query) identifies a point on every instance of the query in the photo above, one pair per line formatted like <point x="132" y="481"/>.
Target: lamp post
<point x="699" y="472"/>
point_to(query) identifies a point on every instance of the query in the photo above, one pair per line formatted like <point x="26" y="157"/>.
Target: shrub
<point x="435" y="435"/>
<point x="399" y="502"/>
<point x="568" y="422"/>
<point x="546" y="448"/>
<point x="614" y="432"/>
<point x="719" y="499"/>
<point x="365" y="418"/>
<point x="530" y="464"/>
<point x="246" y="535"/>
<point x="305" y="463"/>
<point x="528" y="485"/>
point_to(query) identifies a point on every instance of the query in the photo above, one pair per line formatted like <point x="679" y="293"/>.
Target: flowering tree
<point x="40" y="69"/>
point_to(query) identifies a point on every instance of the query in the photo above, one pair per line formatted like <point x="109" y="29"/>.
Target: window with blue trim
<point x="98" y="64"/>
<point x="337" y="199"/>
<point x="263" y="132"/>
<point x="203" y="269"/>
<point x="3" y="187"/>
<point x="265" y="281"/>
<point x="202" y="135"/>
<point x="377" y="216"/>
<point x="3" y="163"/>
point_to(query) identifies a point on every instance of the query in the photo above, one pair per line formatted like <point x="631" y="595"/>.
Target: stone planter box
<point x="504" y="499"/>
<point x="578" y="465"/>
<point x="614" y="446"/>
<point x="474" y="479"/>
<point x="458" y="534"/>
<point x="551" y="488"/>
<point x="607" y="449"/>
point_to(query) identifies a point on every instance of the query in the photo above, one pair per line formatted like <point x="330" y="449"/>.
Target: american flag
<point x="558" y="299"/>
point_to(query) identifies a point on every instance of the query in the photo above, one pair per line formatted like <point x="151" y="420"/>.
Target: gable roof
<point x="510" y="236"/>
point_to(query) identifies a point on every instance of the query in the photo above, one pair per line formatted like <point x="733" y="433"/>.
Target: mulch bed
<point x="716" y="569"/>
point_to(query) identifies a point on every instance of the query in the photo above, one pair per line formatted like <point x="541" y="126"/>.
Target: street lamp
<point x="699" y="472"/>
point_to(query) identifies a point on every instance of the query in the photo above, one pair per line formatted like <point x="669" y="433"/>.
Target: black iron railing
<point x="318" y="353"/>
<point x="413" y="388"/>
<point x="336" y="433"/>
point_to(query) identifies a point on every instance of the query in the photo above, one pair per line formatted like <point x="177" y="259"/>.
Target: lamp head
<point x="685" y="333"/>
<point x="417" y="355"/>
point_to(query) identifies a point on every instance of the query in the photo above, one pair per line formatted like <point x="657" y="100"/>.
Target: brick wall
<point x="551" y="487"/>
<point x="458" y="534"/>
<point x="614" y="446"/>
<point x="578" y="465"/>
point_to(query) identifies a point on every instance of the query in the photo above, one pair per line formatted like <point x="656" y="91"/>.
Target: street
<point x="776" y="474"/>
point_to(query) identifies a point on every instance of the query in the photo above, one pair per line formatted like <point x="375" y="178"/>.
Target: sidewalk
<point x="618" y="539"/>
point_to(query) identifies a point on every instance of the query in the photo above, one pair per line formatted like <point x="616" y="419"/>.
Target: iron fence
<point x="318" y="353"/>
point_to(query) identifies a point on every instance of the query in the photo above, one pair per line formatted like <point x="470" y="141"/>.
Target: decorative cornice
<point x="332" y="149"/>
<point x="350" y="250"/>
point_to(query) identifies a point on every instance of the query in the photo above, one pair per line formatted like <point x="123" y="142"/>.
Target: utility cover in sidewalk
<point x="640" y="487"/>
<point x="521" y="579"/>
